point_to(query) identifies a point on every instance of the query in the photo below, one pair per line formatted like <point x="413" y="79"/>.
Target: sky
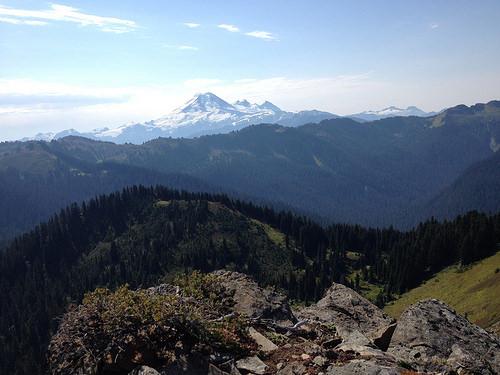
<point x="88" y="64"/>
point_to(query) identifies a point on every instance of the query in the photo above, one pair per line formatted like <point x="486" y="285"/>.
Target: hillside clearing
<point x="473" y="292"/>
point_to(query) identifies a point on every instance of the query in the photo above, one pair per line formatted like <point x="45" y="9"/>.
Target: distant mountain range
<point x="204" y="114"/>
<point x="207" y="114"/>
<point x="391" y="112"/>
<point x="396" y="171"/>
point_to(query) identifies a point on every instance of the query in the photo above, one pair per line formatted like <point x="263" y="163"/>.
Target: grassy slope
<point x="474" y="291"/>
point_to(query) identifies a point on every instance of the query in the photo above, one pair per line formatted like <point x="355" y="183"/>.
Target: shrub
<point x="116" y="331"/>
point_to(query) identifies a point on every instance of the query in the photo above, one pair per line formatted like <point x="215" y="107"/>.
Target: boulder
<point x="360" y="345"/>
<point x="254" y="301"/>
<point x="349" y="312"/>
<point x="252" y="364"/>
<point x="431" y="336"/>
<point x="262" y="341"/>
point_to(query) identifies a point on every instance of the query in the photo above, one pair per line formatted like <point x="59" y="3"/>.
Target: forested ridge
<point x="35" y="183"/>
<point x="142" y="235"/>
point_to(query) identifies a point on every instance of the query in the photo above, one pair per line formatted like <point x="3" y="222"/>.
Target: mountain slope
<point x="472" y="291"/>
<point x="138" y="237"/>
<point x="202" y="115"/>
<point x="477" y="188"/>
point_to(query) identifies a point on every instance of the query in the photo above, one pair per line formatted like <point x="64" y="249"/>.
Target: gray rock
<point x="361" y="367"/>
<point x="462" y="362"/>
<point x="144" y="370"/>
<point x="292" y="368"/>
<point x="432" y="337"/>
<point x="359" y="344"/>
<point x="254" y="301"/>
<point x="357" y="338"/>
<point x="262" y="341"/>
<point x="252" y="364"/>
<point x="349" y="312"/>
<point x="320" y="361"/>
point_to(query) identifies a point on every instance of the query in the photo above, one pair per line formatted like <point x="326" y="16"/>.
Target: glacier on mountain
<point x="204" y="114"/>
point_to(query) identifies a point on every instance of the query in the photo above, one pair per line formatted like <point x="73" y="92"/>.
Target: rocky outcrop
<point x="350" y="312"/>
<point x="430" y="336"/>
<point x="225" y="324"/>
<point x="252" y="300"/>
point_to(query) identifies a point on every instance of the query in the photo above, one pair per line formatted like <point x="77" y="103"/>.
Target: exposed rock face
<point x="350" y="312"/>
<point x="431" y="336"/>
<point x="254" y="301"/>
<point x="342" y="334"/>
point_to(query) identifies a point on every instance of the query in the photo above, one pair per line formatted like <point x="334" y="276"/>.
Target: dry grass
<point x="473" y="292"/>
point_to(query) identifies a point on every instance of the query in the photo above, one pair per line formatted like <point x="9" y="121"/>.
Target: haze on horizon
<point x="89" y="64"/>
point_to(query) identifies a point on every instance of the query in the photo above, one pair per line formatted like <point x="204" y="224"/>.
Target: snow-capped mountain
<point x="40" y="137"/>
<point x="208" y="114"/>
<point x="202" y="115"/>
<point x="391" y="112"/>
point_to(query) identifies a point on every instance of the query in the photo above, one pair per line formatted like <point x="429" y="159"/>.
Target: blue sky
<point x="89" y="64"/>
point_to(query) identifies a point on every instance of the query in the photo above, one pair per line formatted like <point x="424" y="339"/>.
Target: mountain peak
<point x="206" y="102"/>
<point x="270" y="106"/>
<point x="205" y="113"/>
<point x="391" y="108"/>
<point x="391" y="111"/>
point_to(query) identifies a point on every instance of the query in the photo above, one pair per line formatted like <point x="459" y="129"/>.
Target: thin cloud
<point x="266" y="35"/>
<point x="228" y="27"/>
<point x="15" y="21"/>
<point x="188" y="48"/>
<point x="64" y="13"/>
<point x="24" y="96"/>
<point x="182" y="47"/>
<point x="191" y="25"/>
<point x="434" y="26"/>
